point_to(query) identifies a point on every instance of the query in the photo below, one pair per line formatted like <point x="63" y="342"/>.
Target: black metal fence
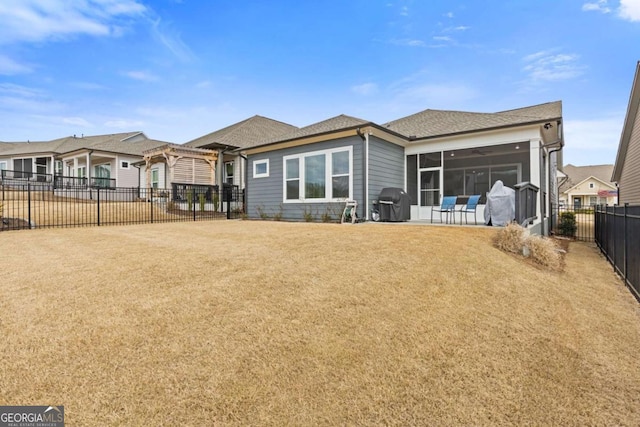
<point x="33" y="206"/>
<point x="572" y="222"/>
<point x="617" y="234"/>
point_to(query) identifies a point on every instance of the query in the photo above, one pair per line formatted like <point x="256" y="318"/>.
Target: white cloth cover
<point x="500" y="209"/>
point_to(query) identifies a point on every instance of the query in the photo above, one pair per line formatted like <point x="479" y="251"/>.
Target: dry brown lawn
<point x="268" y="323"/>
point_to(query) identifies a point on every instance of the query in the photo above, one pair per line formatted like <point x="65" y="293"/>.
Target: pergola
<point x="186" y="165"/>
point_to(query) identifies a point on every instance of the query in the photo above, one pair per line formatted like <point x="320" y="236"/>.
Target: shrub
<point x="190" y="199"/>
<point x="510" y="238"/>
<point x="514" y="239"/>
<point x="262" y="213"/>
<point x="216" y="201"/>
<point x="201" y="201"/>
<point x="543" y="251"/>
<point x="567" y="225"/>
<point x="307" y="215"/>
<point x="278" y="215"/>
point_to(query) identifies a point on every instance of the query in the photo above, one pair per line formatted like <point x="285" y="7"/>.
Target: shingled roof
<point x="337" y="123"/>
<point x="433" y="123"/>
<point x="244" y="134"/>
<point x="577" y="174"/>
<point x="114" y="143"/>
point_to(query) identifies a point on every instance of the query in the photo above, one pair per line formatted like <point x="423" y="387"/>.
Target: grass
<point x="271" y="323"/>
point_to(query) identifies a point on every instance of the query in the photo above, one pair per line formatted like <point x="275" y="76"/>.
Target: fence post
<point x="29" y="202"/>
<point x="626" y="239"/>
<point x="151" y="198"/>
<point x="613" y="249"/>
<point x="98" y="197"/>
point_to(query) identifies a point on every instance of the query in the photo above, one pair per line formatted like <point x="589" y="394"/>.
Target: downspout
<point x="560" y="140"/>
<point x="365" y="170"/>
<point x="246" y="181"/>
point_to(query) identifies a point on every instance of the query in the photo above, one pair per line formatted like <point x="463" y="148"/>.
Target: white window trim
<point x="3" y="165"/>
<point x="157" y="170"/>
<point x="233" y="169"/>
<point x="260" y="162"/>
<point x="123" y="162"/>
<point x="328" y="176"/>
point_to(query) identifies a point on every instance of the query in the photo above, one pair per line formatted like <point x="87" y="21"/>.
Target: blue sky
<point x="178" y="69"/>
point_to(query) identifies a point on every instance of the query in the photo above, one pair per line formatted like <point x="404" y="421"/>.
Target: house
<point x="626" y="171"/>
<point x="99" y="160"/>
<point x="232" y="141"/>
<point x="311" y="171"/>
<point x="587" y="186"/>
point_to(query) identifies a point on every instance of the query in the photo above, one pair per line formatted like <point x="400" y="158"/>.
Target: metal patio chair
<point x="447" y="207"/>
<point x="471" y="206"/>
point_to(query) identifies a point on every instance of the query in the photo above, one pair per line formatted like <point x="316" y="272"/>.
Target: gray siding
<point x="629" y="184"/>
<point x="265" y="194"/>
<point x="386" y="167"/>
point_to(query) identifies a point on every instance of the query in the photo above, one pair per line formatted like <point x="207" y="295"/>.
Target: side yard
<point x="269" y="323"/>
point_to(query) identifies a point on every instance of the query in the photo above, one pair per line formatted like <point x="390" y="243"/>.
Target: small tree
<point x="567" y="225"/>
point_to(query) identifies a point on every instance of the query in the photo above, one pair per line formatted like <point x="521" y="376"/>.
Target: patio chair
<point x="448" y="206"/>
<point x="471" y="206"/>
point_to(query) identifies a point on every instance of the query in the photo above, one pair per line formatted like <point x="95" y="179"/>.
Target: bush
<point x="514" y="239"/>
<point x="543" y="251"/>
<point x="510" y="238"/>
<point x="567" y="225"/>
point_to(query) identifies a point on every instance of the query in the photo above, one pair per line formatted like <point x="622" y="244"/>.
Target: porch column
<point x="88" y="168"/>
<point x="220" y="169"/>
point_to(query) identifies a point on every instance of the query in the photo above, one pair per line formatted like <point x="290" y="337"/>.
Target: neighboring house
<point x="431" y="154"/>
<point x="232" y="141"/>
<point x="587" y="186"/>
<point x="626" y="171"/>
<point x="100" y="160"/>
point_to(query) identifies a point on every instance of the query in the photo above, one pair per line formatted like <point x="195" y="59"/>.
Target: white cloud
<point x="404" y="11"/>
<point x="171" y="40"/>
<point x="17" y="90"/>
<point x="442" y="38"/>
<point x="599" y="6"/>
<point x="142" y="76"/>
<point x="365" y="89"/>
<point x="548" y="66"/>
<point x="9" y="67"/>
<point x="76" y="121"/>
<point x="408" y="42"/>
<point x="449" y="15"/>
<point x="36" y="20"/>
<point x="630" y="10"/>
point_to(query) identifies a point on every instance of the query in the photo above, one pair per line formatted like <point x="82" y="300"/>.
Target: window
<point x="261" y="168"/>
<point x="23" y="168"/>
<point x="58" y="167"/>
<point x="319" y="176"/>
<point x="479" y="180"/>
<point x="3" y="166"/>
<point x="155" y="177"/>
<point x="102" y="175"/>
<point x="591" y="185"/>
<point x="593" y="200"/>
<point x="82" y="171"/>
<point x="228" y="172"/>
<point x="124" y="164"/>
